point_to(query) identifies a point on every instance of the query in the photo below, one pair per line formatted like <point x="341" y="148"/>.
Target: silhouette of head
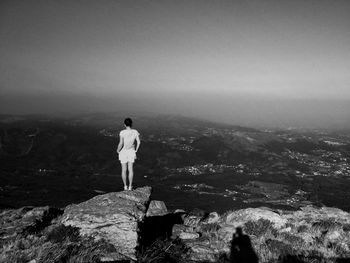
<point x="242" y="250"/>
<point x="128" y="122"/>
<point x="239" y="231"/>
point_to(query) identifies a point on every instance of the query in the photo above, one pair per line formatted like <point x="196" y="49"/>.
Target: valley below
<point x="189" y="163"/>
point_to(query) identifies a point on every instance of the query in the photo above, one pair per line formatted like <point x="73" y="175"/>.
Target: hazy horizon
<point x="266" y="63"/>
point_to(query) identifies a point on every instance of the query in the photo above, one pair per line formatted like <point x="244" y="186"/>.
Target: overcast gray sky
<point x="245" y="61"/>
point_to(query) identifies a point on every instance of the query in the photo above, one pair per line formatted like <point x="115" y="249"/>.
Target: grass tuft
<point x="163" y="251"/>
<point x="327" y="224"/>
<point x="258" y="228"/>
<point x="61" y="232"/>
<point x="210" y="228"/>
<point x="280" y="248"/>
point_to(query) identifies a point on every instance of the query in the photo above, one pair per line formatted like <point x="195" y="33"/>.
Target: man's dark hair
<point x="128" y="122"/>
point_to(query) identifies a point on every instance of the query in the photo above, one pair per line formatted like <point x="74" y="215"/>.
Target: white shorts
<point x="126" y="156"/>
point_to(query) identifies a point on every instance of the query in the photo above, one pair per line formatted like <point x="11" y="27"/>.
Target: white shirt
<point x="128" y="136"/>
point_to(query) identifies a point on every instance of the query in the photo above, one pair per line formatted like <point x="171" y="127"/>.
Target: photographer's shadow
<point x="241" y="248"/>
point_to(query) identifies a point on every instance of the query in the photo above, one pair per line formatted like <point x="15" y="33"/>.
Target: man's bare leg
<point x="124" y="176"/>
<point x="131" y="174"/>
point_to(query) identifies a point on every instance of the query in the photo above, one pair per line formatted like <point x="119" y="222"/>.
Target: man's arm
<point x="120" y="145"/>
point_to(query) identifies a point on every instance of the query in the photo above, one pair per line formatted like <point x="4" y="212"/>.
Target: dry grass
<point x="258" y="228"/>
<point x="57" y="243"/>
<point x="163" y="251"/>
<point x="210" y="228"/>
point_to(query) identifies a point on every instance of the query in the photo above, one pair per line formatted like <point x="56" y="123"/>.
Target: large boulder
<point x="237" y="218"/>
<point x="114" y="217"/>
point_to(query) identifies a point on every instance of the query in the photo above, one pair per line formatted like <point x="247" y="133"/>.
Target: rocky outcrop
<point x="113" y="217"/>
<point x="112" y="227"/>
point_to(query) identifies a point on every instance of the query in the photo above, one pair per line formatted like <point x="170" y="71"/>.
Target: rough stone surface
<point x="179" y="211"/>
<point x="202" y="253"/>
<point x="114" y="217"/>
<point x="157" y="208"/>
<point x="239" y="217"/>
<point x="191" y="220"/>
<point x="178" y="229"/>
<point x="188" y="235"/>
<point x="213" y="218"/>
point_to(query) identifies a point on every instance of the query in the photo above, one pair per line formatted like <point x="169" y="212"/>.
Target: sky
<point x="248" y="62"/>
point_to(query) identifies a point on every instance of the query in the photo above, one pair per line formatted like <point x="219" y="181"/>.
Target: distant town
<point x="317" y="162"/>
